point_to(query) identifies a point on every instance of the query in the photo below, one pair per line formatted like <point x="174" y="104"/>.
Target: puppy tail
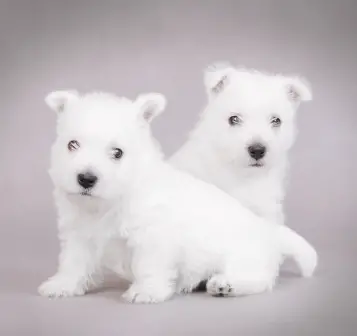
<point x="296" y="247"/>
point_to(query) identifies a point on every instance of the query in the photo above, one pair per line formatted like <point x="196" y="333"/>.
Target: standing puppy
<point x="121" y="206"/>
<point x="242" y="139"/>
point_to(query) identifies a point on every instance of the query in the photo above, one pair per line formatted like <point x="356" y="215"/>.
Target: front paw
<point x="61" y="286"/>
<point x="142" y="294"/>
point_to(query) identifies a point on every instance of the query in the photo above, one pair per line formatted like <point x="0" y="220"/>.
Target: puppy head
<point x="250" y="117"/>
<point x="101" y="140"/>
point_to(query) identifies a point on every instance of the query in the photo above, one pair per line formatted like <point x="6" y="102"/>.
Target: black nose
<point x="257" y="151"/>
<point x="87" y="180"/>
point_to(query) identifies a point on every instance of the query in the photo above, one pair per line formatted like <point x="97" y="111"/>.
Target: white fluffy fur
<point x="217" y="152"/>
<point x="161" y="228"/>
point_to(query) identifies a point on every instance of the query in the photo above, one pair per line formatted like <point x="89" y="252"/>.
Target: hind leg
<point x="241" y="280"/>
<point x="224" y="285"/>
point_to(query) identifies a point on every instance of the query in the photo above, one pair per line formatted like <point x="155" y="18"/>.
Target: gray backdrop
<point x="130" y="47"/>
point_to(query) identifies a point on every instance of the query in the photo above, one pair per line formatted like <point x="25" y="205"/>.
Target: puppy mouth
<point x="86" y="193"/>
<point x="256" y="164"/>
<point x="83" y="193"/>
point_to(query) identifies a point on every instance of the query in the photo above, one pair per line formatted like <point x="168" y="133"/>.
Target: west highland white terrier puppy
<point x="243" y="136"/>
<point x="121" y="204"/>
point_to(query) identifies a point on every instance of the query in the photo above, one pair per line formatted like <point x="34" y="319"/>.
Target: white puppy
<point x="121" y="204"/>
<point x="241" y="141"/>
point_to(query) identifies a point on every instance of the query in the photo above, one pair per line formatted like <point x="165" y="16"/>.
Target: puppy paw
<point x="141" y="294"/>
<point x="219" y="286"/>
<point x="59" y="286"/>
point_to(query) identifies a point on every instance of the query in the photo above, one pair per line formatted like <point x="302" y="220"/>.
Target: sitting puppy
<point x="121" y="206"/>
<point x="242" y="139"/>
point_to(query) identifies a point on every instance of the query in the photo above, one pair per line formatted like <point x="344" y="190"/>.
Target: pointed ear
<point x="217" y="77"/>
<point x="58" y="100"/>
<point x="150" y="105"/>
<point x="298" y="89"/>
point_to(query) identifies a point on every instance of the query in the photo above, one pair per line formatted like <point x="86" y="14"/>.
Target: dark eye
<point x="275" y="121"/>
<point x="235" y="120"/>
<point x="117" y="153"/>
<point x="73" y="145"/>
